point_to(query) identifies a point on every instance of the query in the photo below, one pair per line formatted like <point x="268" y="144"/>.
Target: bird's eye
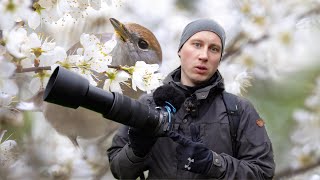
<point x="143" y="44"/>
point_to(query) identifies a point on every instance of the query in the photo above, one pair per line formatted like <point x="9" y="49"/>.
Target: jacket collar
<point x="174" y="79"/>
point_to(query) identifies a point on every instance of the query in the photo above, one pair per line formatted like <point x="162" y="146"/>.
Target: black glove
<point x="140" y="142"/>
<point x="192" y="155"/>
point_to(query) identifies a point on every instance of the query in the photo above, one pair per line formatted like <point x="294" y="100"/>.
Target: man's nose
<point x="203" y="54"/>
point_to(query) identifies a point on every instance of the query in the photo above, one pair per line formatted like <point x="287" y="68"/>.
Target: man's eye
<point x="214" y="49"/>
<point x="196" y="44"/>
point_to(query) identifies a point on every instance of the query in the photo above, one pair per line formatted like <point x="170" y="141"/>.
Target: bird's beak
<point x="120" y="30"/>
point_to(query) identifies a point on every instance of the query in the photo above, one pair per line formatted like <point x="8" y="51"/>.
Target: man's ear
<point x="222" y="56"/>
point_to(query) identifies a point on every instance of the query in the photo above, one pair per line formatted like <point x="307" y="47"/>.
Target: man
<point x="200" y="144"/>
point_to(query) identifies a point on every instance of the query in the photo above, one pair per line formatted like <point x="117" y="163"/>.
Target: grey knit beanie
<point x="202" y="25"/>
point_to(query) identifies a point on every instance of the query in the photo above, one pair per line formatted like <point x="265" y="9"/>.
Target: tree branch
<point x="289" y="172"/>
<point x="234" y="50"/>
<point x="32" y="69"/>
<point x="314" y="11"/>
<point x="237" y="50"/>
<point x="35" y="69"/>
<point x="114" y="67"/>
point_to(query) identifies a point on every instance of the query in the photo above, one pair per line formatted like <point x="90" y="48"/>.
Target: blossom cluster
<point x="306" y="138"/>
<point x="25" y="48"/>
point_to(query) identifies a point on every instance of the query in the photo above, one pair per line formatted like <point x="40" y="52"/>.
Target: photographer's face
<point x="200" y="58"/>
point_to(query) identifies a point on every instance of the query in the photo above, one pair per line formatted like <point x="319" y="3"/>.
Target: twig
<point x="314" y="11"/>
<point x="2" y="134"/>
<point x="33" y="69"/>
<point x="114" y="67"/>
<point x="289" y="172"/>
<point x="235" y="51"/>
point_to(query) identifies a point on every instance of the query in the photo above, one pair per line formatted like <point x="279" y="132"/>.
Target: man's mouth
<point x="201" y="69"/>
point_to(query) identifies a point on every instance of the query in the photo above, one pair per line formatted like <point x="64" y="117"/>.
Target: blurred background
<point x="275" y="42"/>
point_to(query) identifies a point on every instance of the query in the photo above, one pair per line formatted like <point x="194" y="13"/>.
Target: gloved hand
<point x="192" y="155"/>
<point x="140" y="141"/>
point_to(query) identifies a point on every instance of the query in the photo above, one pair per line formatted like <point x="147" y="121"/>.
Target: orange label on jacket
<point x="260" y="122"/>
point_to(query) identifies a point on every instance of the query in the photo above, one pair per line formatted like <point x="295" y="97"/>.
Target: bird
<point x="134" y="43"/>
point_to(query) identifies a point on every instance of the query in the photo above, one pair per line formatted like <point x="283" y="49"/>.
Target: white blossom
<point x="78" y="64"/>
<point x="7" y="85"/>
<point x="307" y="132"/>
<point x="36" y="52"/>
<point x="145" y="77"/>
<point x="34" y="20"/>
<point x="15" y="41"/>
<point x="95" y="4"/>
<point x="8" y="154"/>
<point x="5" y="99"/>
<point x="47" y="11"/>
<point x="236" y="77"/>
<point x="96" y="53"/>
<point x="115" y="78"/>
<point x="13" y="11"/>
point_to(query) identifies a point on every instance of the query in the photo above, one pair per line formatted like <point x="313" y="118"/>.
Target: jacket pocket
<point x="216" y="136"/>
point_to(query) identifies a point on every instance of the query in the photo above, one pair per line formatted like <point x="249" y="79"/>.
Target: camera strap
<point x="230" y="101"/>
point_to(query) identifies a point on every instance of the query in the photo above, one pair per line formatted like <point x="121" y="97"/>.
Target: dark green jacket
<point x="255" y="154"/>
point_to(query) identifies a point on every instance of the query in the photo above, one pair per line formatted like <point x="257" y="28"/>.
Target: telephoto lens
<point x="69" y="89"/>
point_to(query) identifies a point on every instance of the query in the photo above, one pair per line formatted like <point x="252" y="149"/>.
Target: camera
<point x="68" y="89"/>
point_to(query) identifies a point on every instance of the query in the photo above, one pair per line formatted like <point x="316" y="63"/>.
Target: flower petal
<point x="34" y="20"/>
